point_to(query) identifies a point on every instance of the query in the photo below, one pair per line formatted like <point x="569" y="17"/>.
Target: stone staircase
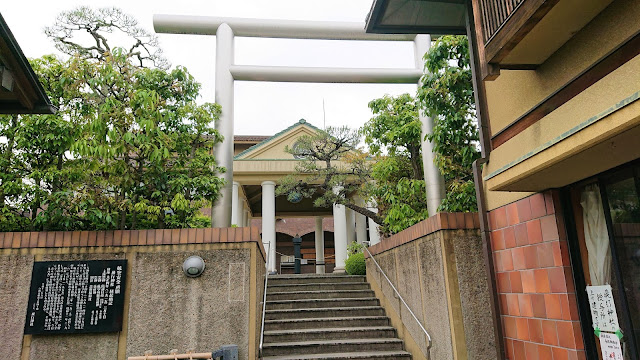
<point x="327" y="317"/>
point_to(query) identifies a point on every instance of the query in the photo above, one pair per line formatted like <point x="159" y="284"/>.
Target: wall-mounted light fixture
<point x="193" y="266"/>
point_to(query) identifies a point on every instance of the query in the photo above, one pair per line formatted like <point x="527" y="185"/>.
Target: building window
<point x="606" y="245"/>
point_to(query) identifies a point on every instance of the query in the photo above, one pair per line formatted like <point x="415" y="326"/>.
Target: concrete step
<point x="366" y="332"/>
<point x="305" y="313"/>
<point x="319" y="294"/>
<point x="331" y="346"/>
<point x="315" y="278"/>
<point x="321" y="303"/>
<point x="329" y="322"/>
<point x="377" y="355"/>
<point x="314" y="286"/>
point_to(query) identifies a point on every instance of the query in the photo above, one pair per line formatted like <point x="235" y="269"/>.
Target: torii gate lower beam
<point x="226" y="72"/>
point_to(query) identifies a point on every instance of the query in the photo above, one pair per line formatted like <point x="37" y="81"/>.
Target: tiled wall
<point x="538" y="303"/>
<point x="58" y="239"/>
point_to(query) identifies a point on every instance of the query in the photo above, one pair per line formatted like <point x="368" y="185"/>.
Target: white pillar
<point x="221" y="212"/>
<point x="374" y="229"/>
<point x="351" y="226"/>
<point x="269" y="221"/>
<point x="339" y="235"/>
<point x="320" y="267"/>
<point x="240" y="209"/>
<point x="245" y="217"/>
<point x="361" y="223"/>
<point x="235" y="204"/>
<point x="434" y="181"/>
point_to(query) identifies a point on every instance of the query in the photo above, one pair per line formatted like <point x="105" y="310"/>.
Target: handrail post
<point x="264" y="299"/>
<point x="402" y="300"/>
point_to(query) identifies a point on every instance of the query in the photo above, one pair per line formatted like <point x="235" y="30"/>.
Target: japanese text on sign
<point x="603" y="308"/>
<point x="76" y="297"/>
<point x="610" y="346"/>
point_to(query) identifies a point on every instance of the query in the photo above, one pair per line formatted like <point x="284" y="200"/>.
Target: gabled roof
<point x="249" y="138"/>
<point x="272" y="140"/>
<point x="20" y="89"/>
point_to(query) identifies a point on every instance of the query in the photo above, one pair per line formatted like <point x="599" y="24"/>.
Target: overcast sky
<point x="261" y="108"/>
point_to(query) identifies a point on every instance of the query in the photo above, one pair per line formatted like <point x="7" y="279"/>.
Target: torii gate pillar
<point x="226" y="72"/>
<point x="221" y="211"/>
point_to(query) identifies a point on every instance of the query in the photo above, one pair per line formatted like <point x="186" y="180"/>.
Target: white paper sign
<point x="610" y="346"/>
<point x="603" y="309"/>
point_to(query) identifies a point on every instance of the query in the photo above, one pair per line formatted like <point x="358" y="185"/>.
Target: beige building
<point x="259" y="163"/>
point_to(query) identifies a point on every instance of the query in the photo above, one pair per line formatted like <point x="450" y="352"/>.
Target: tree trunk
<point x="414" y="153"/>
<point x="366" y="212"/>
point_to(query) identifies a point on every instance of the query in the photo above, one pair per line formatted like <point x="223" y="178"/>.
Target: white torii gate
<point x="226" y="72"/>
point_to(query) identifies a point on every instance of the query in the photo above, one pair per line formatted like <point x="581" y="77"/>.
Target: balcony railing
<point x="495" y="14"/>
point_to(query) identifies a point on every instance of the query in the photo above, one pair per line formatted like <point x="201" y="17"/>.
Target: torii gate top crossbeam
<point x="225" y="29"/>
<point x="270" y="28"/>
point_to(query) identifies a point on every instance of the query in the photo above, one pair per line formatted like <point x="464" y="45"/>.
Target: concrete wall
<point x="438" y="268"/>
<point x="14" y="291"/>
<point x="168" y="311"/>
<point x="163" y="310"/>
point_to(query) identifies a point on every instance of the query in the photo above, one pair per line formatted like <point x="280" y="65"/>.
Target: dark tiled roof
<point x="269" y="138"/>
<point x="250" y="138"/>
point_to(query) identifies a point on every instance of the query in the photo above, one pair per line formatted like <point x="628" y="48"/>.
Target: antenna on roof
<point x="324" y="115"/>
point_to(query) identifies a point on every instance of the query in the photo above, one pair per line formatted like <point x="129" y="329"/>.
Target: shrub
<point x="354" y="247"/>
<point x="355" y="265"/>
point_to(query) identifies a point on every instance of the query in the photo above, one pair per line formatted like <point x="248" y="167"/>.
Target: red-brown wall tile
<point x="534" y="231"/>
<point x="531" y="350"/>
<point x="535" y="281"/>
<point x="509" y="237"/>
<point x="515" y="281"/>
<point x="521" y="234"/>
<point x="538" y="208"/>
<point x="544" y="352"/>
<point x="535" y="331"/>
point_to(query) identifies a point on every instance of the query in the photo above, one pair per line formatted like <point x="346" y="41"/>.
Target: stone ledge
<point x="437" y="222"/>
<point x="59" y="239"/>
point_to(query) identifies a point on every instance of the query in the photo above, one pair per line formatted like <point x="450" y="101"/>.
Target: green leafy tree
<point x="332" y="169"/>
<point x="129" y="147"/>
<point x="395" y="129"/>
<point x="36" y="164"/>
<point x="394" y="135"/>
<point x="447" y="95"/>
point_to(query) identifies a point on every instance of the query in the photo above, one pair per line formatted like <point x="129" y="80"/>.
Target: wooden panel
<point x="515" y="27"/>
<point x="495" y="13"/>
<point x="475" y="31"/>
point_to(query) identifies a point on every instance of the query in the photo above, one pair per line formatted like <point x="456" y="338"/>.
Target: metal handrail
<point x="264" y="299"/>
<point x="401" y="299"/>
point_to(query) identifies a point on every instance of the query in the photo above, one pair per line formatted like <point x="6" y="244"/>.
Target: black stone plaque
<point x="68" y="297"/>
